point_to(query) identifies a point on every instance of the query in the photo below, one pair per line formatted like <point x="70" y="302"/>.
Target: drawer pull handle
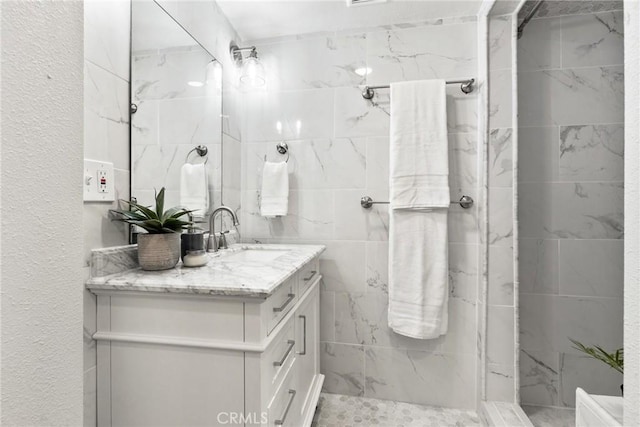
<point x="286" y="303"/>
<point x="286" y="411"/>
<point x="304" y="336"/>
<point x="292" y="344"/>
<point x="313" y="273"/>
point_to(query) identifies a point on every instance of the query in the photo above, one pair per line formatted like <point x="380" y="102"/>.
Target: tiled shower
<point x="570" y="186"/>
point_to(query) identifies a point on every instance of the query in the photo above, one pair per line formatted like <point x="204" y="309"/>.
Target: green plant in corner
<point x="615" y="360"/>
<point x="155" y="222"/>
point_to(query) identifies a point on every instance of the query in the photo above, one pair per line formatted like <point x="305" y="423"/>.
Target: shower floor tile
<point x="542" y="416"/>
<point x="336" y="410"/>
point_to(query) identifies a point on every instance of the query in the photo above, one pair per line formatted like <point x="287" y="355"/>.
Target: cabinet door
<point x="161" y="385"/>
<point x="308" y="349"/>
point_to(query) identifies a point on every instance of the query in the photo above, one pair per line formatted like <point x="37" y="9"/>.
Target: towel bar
<point x="465" y="202"/>
<point x="466" y="86"/>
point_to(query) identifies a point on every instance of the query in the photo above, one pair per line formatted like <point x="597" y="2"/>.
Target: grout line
<point x="549" y="126"/>
<point x="586" y="67"/>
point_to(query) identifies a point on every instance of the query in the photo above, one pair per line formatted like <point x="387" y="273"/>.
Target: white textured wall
<point x="41" y="197"/>
<point x="632" y="218"/>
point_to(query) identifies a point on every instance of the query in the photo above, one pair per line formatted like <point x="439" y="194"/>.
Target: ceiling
<point x="255" y="19"/>
<point x="153" y="28"/>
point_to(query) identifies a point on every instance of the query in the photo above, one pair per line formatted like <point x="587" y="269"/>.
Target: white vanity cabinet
<point x="196" y="360"/>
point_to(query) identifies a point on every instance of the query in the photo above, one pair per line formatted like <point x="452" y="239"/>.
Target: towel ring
<point x="202" y="152"/>
<point x="283" y="149"/>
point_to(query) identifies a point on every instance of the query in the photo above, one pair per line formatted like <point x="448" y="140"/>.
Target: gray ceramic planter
<point x="158" y="251"/>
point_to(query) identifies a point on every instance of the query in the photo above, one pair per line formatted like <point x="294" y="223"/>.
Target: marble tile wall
<point x="106" y="138"/>
<point x="501" y="306"/>
<point x="205" y="21"/>
<point x="571" y="203"/>
<point x="172" y="119"/>
<point x="339" y="152"/>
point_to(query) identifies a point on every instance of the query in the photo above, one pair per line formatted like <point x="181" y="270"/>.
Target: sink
<point x="256" y="255"/>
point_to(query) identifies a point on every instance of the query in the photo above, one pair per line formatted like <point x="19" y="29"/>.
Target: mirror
<point x="176" y="106"/>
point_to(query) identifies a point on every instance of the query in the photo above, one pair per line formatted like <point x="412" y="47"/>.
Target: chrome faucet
<point x="212" y="244"/>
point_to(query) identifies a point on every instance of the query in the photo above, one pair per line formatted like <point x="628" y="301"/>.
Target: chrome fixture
<point x="283" y="149"/>
<point x="528" y="18"/>
<point x="465" y="202"/>
<point x="252" y="72"/>
<point x="466" y="86"/>
<point x="201" y="150"/>
<point x="212" y="244"/>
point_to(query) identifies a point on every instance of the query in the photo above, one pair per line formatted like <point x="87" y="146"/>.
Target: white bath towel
<point x="274" y="197"/>
<point x="194" y="189"/>
<point x="419" y="196"/>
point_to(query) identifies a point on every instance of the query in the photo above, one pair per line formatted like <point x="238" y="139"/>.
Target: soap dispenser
<point x="191" y="241"/>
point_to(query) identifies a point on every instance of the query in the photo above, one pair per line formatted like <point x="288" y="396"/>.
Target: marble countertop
<point x="223" y="275"/>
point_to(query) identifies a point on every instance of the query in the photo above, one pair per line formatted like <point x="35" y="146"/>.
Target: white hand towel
<point x="194" y="189"/>
<point x="274" y="200"/>
<point x="419" y="196"/>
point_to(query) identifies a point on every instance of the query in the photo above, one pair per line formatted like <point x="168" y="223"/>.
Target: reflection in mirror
<point x="176" y="92"/>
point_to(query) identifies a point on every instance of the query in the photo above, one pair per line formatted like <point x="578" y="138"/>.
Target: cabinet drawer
<point x="280" y="303"/>
<point x="278" y="358"/>
<point x="308" y="274"/>
<point x="284" y="407"/>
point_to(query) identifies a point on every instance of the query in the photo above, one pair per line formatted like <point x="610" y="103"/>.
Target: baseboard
<point x="315" y="396"/>
<point x="503" y="414"/>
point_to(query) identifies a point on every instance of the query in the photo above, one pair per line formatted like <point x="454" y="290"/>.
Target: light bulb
<point x="252" y="73"/>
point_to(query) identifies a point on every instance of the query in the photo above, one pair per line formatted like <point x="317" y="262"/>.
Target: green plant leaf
<point x="175" y="224"/>
<point x="150" y="214"/>
<point x="129" y="214"/>
<point x="151" y="225"/>
<point x="175" y="212"/>
<point x="154" y="222"/>
<point x="614" y="360"/>
<point x="160" y="203"/>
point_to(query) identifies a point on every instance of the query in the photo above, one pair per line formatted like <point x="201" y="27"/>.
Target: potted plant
<point x="159" y="248"/>
<point x="614" y="360"/>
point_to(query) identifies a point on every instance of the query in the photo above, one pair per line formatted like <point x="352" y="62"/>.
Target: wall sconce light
<point x="252" y="72"/>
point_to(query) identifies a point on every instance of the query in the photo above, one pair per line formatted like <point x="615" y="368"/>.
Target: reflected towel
<point x="419" y="196"/>
<point x="274" y="199"/>
<point x="194" y="190"/>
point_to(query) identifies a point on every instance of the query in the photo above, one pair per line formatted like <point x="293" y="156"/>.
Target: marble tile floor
<point x="336" y="410"/>
<point x="542" y="416"/>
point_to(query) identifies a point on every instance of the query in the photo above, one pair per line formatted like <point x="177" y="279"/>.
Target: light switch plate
<point x="97" y="183"/>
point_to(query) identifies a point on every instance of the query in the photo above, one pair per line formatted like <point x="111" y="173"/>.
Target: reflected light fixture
<point x="213" y="74"/>
<point x="252" y="72"/>
<point x="362" y="71"/>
